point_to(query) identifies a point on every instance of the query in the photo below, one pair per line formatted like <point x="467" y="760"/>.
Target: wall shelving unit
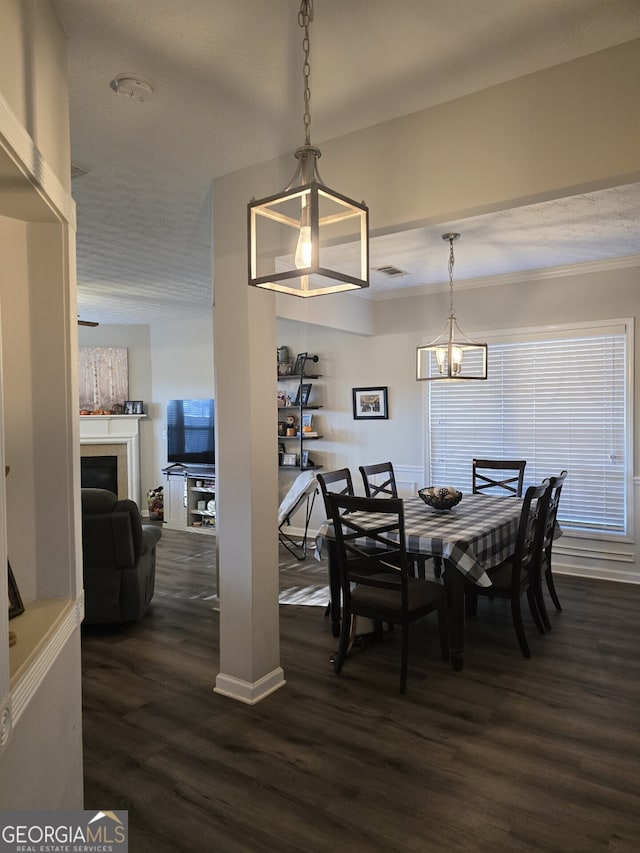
<point x="298" y="406"/>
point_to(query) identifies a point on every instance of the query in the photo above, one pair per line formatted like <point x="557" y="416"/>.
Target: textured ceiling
<point x="228" y="93"/>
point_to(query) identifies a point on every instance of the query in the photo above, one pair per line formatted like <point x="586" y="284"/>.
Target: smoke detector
<point x="133" y="86"/>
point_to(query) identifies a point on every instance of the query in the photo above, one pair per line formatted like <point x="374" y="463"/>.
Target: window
<point x="557" y="399"/>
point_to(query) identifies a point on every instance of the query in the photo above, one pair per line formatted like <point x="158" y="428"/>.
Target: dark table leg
<point x="334" y="588"/>
<point x="454" y="581"/>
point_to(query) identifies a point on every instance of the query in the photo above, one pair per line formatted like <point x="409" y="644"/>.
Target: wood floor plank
<point x="508" y="755"/>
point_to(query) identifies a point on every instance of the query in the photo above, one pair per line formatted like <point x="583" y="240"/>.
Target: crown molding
<point x="522" y="277"/>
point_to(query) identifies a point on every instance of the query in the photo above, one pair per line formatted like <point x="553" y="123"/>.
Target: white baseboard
<point x="248" y="692"/>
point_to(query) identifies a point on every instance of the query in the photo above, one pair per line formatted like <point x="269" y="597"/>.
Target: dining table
<point x="471" y="538"/>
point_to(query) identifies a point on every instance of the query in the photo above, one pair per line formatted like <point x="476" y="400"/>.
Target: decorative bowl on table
<point x="440" y="497"/>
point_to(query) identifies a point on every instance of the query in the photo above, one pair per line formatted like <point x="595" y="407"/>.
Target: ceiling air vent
<point x="391" y="271"/>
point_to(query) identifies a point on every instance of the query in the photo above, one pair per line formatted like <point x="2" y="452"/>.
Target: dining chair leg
<point x="470" y="604"/>
<point x="542" y="607"/>
<point x="346" y="633"/>
<point x="335" y="591"/>
<point x="533" y="597"/>
<point x="443" y="628"/>
<point x="437" y="567"/>
<point x="552" y="589"/>
<point x="405" y="656"/>
<point x="516" y="615"/>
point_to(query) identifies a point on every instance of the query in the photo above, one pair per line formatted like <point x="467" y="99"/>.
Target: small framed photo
<point x="307" y="422"/>
<point x="302" y="396"/>
<point x="282" y="428"/>
<point x="370" y="403"/>
<point x="304" y="459"/>
<point x="289" y="460"/>
<point x="133" y="407"/>
<point x="16" y="607"/>
<point x="298" y="368"/>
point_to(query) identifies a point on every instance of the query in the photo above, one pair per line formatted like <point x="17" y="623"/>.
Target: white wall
<point x="33" y="78"/>
<point x="167" y="361"/>
<point x="182" y="368"/>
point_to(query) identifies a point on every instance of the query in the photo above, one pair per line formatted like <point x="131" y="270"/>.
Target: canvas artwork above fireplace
<point x="103" y="378"/>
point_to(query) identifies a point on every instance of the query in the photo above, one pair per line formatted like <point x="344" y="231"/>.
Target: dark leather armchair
<point x="118" y="556"/>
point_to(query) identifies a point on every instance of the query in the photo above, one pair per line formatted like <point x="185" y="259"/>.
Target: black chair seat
<point x="420" y="594"/>
<point x="502" y="577"/>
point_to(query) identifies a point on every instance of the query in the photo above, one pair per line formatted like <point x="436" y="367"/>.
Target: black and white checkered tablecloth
<point x="476" y="535"/>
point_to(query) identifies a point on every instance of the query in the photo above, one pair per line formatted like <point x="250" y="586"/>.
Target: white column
<point x="246" y="466"/>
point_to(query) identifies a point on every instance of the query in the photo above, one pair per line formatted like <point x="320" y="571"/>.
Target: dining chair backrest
<point x="335" y="482"/>
<point x="531" y="531"/>
<point x="556" y="484"/>
<point x="373" y="534"/>
<point x="379" y="480"/>
<point x="509" y="477"/>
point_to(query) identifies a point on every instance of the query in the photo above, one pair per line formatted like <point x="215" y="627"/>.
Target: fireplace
<point x="99" y="472"/>
<point x="114" y="435"/>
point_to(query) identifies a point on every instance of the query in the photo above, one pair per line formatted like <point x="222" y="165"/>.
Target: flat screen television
<point x="191" y="432"/>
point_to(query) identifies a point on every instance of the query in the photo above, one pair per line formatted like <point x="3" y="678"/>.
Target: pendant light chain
<point x="451" y="263"/>
<point x="305" y="16"/>
<point x="291" y="233"/>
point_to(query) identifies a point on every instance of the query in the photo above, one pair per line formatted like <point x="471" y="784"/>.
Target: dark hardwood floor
<point x="508" y="755"/>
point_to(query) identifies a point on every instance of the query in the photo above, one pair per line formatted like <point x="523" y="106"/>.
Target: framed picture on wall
<point x="370" y="403"/>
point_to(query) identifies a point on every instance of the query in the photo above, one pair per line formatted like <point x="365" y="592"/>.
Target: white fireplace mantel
<point x="117" y="429"/>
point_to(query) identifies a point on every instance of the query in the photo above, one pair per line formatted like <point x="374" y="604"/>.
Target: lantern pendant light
<point x="452" y="355"/>
<point x="308" y="240"/>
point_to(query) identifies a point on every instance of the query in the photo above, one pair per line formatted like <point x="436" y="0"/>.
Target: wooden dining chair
<point x="374" y="574"/>
<point x="379" y="481"/>
<point x="509" y="480"/>
<point x="375" y="484"/>
<point x="520" y="572"/>
<point x="549" y="531"/>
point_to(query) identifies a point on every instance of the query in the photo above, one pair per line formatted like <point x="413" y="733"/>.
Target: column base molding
<point x="249" y="692"/>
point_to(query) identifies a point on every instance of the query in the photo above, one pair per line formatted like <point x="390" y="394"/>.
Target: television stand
<point x="190" y="498"/>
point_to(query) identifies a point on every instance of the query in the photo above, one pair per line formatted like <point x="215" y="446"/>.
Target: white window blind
<point x="558" y="403"/>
